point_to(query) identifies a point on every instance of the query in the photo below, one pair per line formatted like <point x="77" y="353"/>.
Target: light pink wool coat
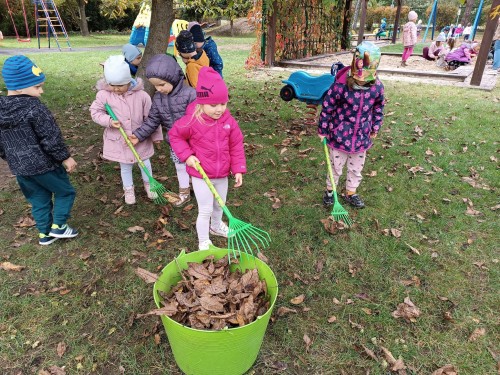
<point x="409" y="34"/>
<point x="131" y="109"/>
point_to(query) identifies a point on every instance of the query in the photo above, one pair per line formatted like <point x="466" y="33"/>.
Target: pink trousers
<point x="355" y="164"/>
<point x="407" y="53"/>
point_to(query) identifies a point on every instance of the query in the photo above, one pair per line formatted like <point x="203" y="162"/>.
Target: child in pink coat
<point x="210" y="136"/>
<point x="409" y="36"/>
<point x="131" y="105"/>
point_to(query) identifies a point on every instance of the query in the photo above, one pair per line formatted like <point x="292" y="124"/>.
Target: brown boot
<point x="184" y="197"/>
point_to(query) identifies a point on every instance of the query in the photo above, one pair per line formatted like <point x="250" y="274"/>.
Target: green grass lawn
<point x="430" y="184"/>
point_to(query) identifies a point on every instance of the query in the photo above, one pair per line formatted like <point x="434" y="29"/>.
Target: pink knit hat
<point x="211" y="88"/>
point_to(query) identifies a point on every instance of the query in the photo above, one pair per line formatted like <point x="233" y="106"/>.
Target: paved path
<point x="18" y="51"/>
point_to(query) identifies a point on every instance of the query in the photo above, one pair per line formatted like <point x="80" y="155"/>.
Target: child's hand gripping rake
<point x="338" y="212"/>
<point x="242" y="236"/>
<point x="154" y="185"/>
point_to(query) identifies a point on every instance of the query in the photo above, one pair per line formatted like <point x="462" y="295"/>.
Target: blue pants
<point x="51" y="196"/>
<point x="496" y="56"/>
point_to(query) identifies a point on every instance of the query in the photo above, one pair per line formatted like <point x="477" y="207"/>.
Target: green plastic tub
<point x="227" y="352"/>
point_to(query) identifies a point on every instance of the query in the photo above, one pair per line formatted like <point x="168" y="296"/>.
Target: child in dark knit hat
<point x="33" y="146"/>
<point x="211" y="137"/>
<point x="193" y="59"/>
<point x="133" y="57"/>
<point x="208" y="45"/>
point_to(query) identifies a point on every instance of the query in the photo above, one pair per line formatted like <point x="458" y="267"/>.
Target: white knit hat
<point x="116" y="70"/>
<point x="412" y="16"/>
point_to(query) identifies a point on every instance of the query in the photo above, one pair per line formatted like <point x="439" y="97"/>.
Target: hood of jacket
<point x="14" y="107"/>
<point x="165" y="68"/>
<point x="135" y="85"/>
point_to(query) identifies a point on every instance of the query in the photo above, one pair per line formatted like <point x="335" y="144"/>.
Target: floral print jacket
<point x="349" y="116"/>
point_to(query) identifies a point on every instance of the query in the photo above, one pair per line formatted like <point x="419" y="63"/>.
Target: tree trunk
<point x="84" y="27"/>
<point x="231" y="22"/>
<point x="468" y="10"/>
<point x="346" y="26"/>
<point x="362" y="21"/>
<point x="162" y="17"/>
<point x="356" y="14"/>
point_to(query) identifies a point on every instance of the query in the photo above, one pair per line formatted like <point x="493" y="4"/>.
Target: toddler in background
<point x="33" y="146"/>
<point x="131" y="105"/>
<point x="169" y="104"/>
<point x="409" y="37"/>
<point x="210" y="136"/>
<point x="133" y="57"/>
<point x="208" y="45"/>
<point x="194" y="60"/>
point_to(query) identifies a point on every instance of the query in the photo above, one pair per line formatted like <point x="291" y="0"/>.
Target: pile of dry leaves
<point x="210" y="296"/>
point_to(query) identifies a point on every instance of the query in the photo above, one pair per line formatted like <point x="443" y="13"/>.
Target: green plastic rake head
<point x="242" y="236"/>
<point x="338" y="212"/>
<point x="156" y="188"/>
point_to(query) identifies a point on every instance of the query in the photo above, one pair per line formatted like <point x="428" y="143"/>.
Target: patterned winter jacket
<point x="210" y="48"/>
<point x="30" y="140"/>
<point x="218" y="144"/>
<point x="349" y="116"/>
<point x="166" y="109"/>
<point x="409" y="34"/>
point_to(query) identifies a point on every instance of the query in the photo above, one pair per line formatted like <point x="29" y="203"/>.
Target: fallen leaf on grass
<point x="407" y="310"/>
<point x="8" y="266"/>
<point x="298" y="300"/>
<point x="308" y="342"/>
<point x="370" y="353"/>
<point x="478" y="332"/>
<point x="145" y="275"/>
<point x="415" y="250"/>
<point x="396" y="232"/>
<point x="396" y="364"/>
<point x="135" y="228"/>
<point x="446" y="370"/>
<point x="262" y="257"/>
<point x="278" y="365"/>
<point x="85" y="255"/>
<point x="53" y="370"/>
<point x="61" y="349"/>
<point x="285" y="310"/>
<point x="332" y="319"/>
<point x="332" y="226"/>
<point x="24" y="222"/>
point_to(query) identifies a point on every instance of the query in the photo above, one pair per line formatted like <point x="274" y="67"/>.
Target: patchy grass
<point x="84" y="292"/>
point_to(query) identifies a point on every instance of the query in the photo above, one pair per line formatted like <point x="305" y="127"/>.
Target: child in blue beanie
<point x="133" y="57"/>
<point x="33" y="146"/>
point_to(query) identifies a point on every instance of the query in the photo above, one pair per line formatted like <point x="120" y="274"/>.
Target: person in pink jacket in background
<point x="210" y="136"/>
<point x="131" y="105"/>
<point x="409" y="36"/>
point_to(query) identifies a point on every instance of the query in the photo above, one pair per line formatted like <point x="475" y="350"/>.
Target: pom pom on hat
<point x="211" y="88"/>
<point x="184" y="42"/>
<point x="131" y="52"/>
<point x="19" y="72"/>
<point x="412" y="16"/>
<point x="198" y="36"/>
<point x="116" y="71"/>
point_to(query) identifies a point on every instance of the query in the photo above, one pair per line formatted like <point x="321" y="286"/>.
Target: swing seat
<point x="24" y="40"/>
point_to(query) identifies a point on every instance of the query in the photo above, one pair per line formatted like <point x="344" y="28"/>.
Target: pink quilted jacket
<point x="409" y="34"/>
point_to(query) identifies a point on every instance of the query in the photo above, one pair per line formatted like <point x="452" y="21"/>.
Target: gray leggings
<point x="208" y="208"/>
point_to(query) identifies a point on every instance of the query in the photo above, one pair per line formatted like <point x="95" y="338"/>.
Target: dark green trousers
<point x="51" y="196"/>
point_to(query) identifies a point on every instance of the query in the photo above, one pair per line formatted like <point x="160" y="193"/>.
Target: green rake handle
<point x="330" y="171"/>
<point x="212" y="189"/>
<point x="129" y="144"/>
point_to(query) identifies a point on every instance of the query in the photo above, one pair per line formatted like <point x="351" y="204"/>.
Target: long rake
<point x="338" y="212"/>
<point x="154" y="185"/>
<point x="242" y="236"/>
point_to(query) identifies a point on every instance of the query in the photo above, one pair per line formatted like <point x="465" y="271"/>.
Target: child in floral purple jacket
<point x="351" y="117"/>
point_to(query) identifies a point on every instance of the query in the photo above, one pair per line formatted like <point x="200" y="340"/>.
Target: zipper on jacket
<point x="356" y="126"/>
<point x="218" y="148"/>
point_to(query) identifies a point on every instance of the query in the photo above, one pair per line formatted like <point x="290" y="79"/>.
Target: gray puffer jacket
<point x="166" y="108"/>
<point x="30" y="140"/>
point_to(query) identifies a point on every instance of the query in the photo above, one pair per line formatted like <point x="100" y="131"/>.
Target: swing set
<point x="19" y="39"/>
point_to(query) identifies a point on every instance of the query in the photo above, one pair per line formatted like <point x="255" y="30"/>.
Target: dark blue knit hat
<point x="184" y="42"/>
<point x="19" y="72"/>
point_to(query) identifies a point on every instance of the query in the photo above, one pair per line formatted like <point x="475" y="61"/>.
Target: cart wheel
<point x="287" y="93"/>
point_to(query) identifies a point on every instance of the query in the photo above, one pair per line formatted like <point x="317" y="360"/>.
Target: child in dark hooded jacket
<point x="169" y="104"/>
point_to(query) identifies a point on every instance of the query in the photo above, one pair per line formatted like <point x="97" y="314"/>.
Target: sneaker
<point x="129" y="195"/>
<point x="184" y="197"/>
<point x="328" y="198"/>
<point x="354" y="200"/>
<point x="64" y="231"/>
<point x="205" y="245"/>
<point x="151" y="194"/>
<point x="45" y="239"/>
<point x="222" y="230"/>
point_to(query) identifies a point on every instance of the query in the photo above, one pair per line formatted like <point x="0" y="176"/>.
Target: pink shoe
<point x="129" y="195"/>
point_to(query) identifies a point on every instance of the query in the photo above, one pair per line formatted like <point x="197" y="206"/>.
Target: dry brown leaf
<point x="332" y="319"/>
<point x="55" y="370"/>
<point x="396" y="232"/>
<point x="157" y="339"/>
<point x="308" y="342"/>
<point x="396" y="364"/>
<point x="145" y="275"/>
<point x="277" y="203"/>
<point x="478" y="332"/>
<point x="85" y="255"/>
<point x="135" y="228"/>
<point x="407" y="310"/>
<point x="169" y="310"/>
<point x="8" y="266"/>
<point x="262" y="257"/>
<point x="446" y="370"/>
<point x="61" y="349"/>
<point x="415" y="250"/>
<point x="370" y="353"/>
<point x="285" y="310"/>
<point x="298" y="300"/>
<point x="24" y="222"/>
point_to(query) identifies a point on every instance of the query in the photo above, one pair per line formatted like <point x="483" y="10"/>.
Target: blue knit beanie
<point x="19" y="72"/>
<point x="131" y="52"/>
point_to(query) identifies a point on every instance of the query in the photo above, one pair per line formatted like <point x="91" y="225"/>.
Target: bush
<point x="374" y="15"/>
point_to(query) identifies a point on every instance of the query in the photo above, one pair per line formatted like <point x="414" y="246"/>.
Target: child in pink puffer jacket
<point x="210" y="136"/>
<point x="409" y="36"/>
<point x="131" y="105"/>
